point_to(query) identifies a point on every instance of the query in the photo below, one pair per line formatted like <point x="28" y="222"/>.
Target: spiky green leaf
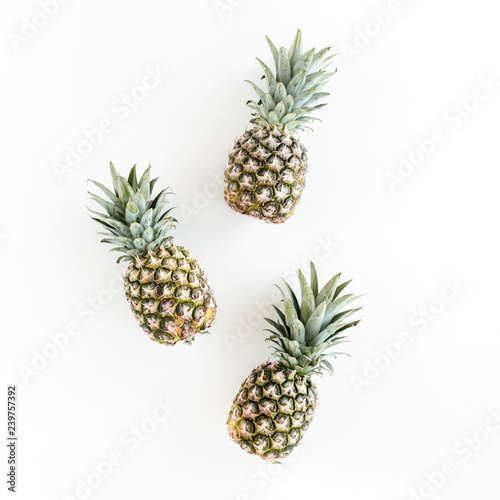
<point x="258" y="90"/>
<point x="295" y="51"/>
<point x="296" y="84"/>
<point x="270" y="78"/>
<point x="340" y="289"/>
<point x="284" y="72"/>
<point x="274" y="52"/>
<point x="313" y="325"/>
<point x="327" y="291"/>
<point x="132" y="178"/>
<point x="145" y="183"/>
<point x="314" y="279"/>
<point x="132" y="213"/>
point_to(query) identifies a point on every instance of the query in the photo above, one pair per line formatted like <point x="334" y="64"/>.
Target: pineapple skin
<point x="271" y="411"/>
<point x="265" y="175"/>
<point x="168" y="294"/>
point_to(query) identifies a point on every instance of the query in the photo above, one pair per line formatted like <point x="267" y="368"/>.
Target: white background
<point x="384" y="424"/>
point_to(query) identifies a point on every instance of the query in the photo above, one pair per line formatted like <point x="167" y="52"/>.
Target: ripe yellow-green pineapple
<point x="164" y="285"/>
<point x="267" y="166"/>
<point x="277" y="401"/>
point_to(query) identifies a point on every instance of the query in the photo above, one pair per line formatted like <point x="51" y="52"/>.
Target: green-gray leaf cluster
<point x="306" y="331"/>
<point x="294" y="89"/>
<point x="134" y="221"/>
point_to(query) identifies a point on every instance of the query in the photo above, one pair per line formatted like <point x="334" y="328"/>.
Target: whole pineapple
<point x="267" y="166"/>
<point x="164" y="285"/>
<point x="277" y="401"/>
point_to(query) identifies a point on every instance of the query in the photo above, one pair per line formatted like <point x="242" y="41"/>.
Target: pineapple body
<point x="272" y="410"/>
<point x="265" y="176"/>
<point x="168" y="294"/>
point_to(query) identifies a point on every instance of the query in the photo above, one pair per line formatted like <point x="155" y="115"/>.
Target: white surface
<point x="400" y="247"/>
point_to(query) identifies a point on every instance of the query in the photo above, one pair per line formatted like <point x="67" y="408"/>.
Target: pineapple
<point x="267" y="166"/>
<point x="164" y="285"/>
<point x="277" y="401"/>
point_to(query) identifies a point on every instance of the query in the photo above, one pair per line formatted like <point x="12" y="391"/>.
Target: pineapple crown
<point x="294" y="91"/>
<point x="134" y="220"/>
<point x="306" y="331"/>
